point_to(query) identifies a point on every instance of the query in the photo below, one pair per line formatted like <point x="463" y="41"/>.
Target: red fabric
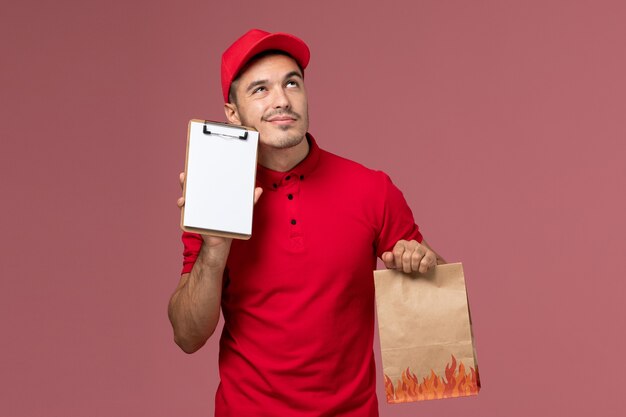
<point x="298" y="299"/>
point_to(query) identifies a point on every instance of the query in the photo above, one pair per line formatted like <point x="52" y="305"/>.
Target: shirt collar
<point x="270" y="179"/>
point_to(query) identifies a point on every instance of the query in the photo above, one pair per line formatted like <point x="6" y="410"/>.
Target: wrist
<point x="214" y="254"/>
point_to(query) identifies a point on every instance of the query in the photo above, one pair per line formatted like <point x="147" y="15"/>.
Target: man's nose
<point x="280" y="99"/>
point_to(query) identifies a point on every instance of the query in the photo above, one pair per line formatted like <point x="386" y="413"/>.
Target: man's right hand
<point x="216" y="248"/>
<point x="181" y="201"/>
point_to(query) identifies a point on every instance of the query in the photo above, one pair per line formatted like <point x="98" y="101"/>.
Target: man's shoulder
<point x="349" y="167"/>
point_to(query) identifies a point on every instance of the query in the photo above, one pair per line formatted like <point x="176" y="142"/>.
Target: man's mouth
<point x="281" y="118"/>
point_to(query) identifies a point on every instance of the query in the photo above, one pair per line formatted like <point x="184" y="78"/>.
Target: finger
<point x="257" y="193"/>
<point x="398" y="252"/>
<point x="387" y="259"/>
<point x="181" y="202"/>
<point x="428" y="262"/>
<point x="181" y="178"/>
<point x="416" y="259"/>
<point x="406" y="260"/>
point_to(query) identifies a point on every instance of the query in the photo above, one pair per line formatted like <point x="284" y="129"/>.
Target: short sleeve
<point x="192" y="242"/>
<point x="397" y="219"/>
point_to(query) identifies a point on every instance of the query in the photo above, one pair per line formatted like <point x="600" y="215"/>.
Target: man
<point x="298" y="297"/>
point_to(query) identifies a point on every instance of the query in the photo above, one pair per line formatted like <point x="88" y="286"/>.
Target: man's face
<point x="272" y="99"/>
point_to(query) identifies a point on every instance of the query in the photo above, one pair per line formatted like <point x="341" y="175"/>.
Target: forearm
<point x="194" y="308"/>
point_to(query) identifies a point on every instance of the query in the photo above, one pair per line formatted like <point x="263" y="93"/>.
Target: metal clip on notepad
<point x="212" y="128"/>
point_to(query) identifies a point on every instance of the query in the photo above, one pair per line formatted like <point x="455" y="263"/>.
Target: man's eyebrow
<point x="255" y="84"/>
<point x="293" y="74"/>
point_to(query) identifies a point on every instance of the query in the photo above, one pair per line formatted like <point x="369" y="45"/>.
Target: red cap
<point x="254" y="42"/>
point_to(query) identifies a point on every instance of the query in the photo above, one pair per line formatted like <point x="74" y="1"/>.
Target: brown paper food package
<point x="426" y="334"/>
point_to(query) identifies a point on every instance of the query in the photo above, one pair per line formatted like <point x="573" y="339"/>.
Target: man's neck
<point x="282" y="160"/>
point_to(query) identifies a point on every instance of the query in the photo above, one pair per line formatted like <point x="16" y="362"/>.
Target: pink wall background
<point x="502" y="121"/>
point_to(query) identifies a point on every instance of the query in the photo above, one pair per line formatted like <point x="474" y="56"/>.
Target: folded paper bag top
<point x="426" y="335"/>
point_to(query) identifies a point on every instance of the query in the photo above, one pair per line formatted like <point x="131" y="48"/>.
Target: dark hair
<point x="232" y="96"/>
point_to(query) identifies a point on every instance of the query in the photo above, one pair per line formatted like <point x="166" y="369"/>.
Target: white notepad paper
<point x="219" y="179"/>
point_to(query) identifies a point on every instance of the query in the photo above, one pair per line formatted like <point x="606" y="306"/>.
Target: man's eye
<point x="292" y="83"/>
<point x="258" y="90"/>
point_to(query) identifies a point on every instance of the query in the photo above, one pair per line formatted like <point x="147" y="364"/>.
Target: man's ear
<point x="232" y="114"/>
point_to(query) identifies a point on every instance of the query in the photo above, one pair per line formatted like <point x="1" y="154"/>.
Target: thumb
<point x="257" y="194"/>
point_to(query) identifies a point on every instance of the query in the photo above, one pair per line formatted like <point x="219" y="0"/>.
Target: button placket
<point x="291" y="194"/>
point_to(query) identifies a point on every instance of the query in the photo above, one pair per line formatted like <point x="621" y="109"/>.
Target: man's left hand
<point x="410" y="256"/>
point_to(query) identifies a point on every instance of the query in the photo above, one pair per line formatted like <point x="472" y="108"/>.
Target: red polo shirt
<point x="298" y="297"/>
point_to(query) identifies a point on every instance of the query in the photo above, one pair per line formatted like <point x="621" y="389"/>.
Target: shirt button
<point x="288" y="177"/>
<point x="275" y="185"/>
<point x="301" y="177"/>
<point x="290" y="196"/>
<point x="293" y="221"/>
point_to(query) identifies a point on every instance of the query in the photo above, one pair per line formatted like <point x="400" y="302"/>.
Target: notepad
<point x="220" y="172"/>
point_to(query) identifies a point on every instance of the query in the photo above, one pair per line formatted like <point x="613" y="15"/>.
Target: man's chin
<point x="284" y="142"/>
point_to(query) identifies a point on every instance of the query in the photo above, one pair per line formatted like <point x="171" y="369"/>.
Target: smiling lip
<point x="281" y="119"/>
